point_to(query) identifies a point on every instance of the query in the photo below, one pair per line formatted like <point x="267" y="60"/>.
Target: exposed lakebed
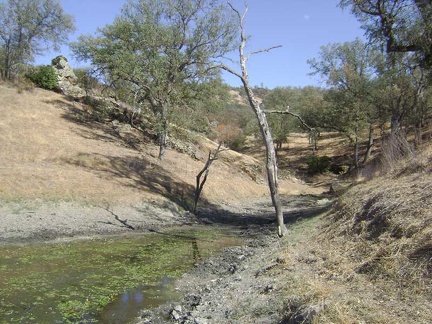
<point x="103" y="280"/>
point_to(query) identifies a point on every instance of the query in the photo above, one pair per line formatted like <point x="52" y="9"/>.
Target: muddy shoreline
<point x="227" y="288"/>
<point x="34" y="221"/>
<point x="233" y="287"/>
<point x="41" y="221"/>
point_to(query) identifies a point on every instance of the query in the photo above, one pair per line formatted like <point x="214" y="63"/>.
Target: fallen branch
<point x="124" y="222"/>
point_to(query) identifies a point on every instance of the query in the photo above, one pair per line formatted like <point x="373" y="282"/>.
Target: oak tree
<point x="27" y="29"/>
<point x="156" y="49"/>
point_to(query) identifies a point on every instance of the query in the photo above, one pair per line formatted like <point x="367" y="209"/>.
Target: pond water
<point x="103" y="280"/>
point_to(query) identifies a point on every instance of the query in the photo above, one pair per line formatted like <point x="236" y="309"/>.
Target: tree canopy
<point x="156" y="49"/>
<point x="399" y="26"/>
<point x="27" y="29"/>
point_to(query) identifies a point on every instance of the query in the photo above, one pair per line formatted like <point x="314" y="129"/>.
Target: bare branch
<point x="228" y="69"/>
<point x="263" y="50"/>
<point x="200" y="183"/>
<point x="288" y="112"/>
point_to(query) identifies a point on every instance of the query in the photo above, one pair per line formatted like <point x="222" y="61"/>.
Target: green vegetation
<point x="29" y="28"/>
<point x="70" y="282"/>
<point x="318" y="164"/>
<point x="158" y="51"/>
<point x="44" y="77"/>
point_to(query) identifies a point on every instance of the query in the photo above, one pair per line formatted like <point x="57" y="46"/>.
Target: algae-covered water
<point x="104" y="280"/>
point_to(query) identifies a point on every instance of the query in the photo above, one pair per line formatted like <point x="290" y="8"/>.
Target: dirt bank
<point x="35" y="220"/>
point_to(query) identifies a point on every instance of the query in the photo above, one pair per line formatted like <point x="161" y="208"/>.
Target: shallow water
<point x="104" y="280"/>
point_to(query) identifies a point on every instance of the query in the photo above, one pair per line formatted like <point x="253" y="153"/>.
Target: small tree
<point x="28" y="28"/>
<point x="348" y="69"/>
<point x="281" y="124"/>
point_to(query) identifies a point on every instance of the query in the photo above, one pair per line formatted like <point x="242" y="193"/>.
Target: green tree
<point x="403" y="29"/>
<point x="27" y="29"/>
<point x="349" y="69"/>
<point x="156" y="49"/>
<point x="400" y="26"/>
<point x="304" y="112"/>
<point x="282" y="125"/>
<point x="310" y="105"/>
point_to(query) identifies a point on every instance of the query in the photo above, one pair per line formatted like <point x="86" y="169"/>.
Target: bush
<point x="237" y="143"/>
<point x="44" y="77"/>
<point x="318" y="164"/>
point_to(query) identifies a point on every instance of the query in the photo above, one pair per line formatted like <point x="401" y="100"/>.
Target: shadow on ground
<point x="261" y="213"/>
<point x="137" y="171"/>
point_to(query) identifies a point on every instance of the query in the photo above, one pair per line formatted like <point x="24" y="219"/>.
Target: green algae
<point x="75" y="281"/>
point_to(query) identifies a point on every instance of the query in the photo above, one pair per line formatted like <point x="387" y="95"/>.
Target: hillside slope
<point x="49" y="149"/>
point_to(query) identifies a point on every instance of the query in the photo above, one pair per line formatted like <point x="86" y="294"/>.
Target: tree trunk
<point x="395" y="124"/>
<point x="271" y="160"/>
<point x="163" y="132"/>
<point x="162" y="136"/>
<point x="356" y="152"/>
<point x="370" y="145"/>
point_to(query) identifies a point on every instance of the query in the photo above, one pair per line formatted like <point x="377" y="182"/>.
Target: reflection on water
<point x="128" y="305"/>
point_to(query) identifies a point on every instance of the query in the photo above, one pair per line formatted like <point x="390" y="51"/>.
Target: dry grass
<point x="370" y="259"/>
<point x="52" y="149"/>
<point x="381" y="232"/>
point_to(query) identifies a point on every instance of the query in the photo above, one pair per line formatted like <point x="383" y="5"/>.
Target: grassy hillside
<point x="52" y="149"/>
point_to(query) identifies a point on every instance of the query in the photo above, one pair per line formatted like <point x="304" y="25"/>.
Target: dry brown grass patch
<point x="385" y="226"/>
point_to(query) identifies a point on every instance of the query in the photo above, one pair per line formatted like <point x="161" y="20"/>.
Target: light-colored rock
<point x="66" y="78"/>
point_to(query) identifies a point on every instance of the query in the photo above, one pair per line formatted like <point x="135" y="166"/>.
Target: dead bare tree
<point x="271" y="160"/>
<point x="200" y="183"/>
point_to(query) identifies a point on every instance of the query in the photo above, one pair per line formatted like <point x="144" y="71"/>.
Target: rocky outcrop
<point x="66" y="78"/>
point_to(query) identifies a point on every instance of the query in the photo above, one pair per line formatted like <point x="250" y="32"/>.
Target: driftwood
<point x="205" y="171"/>
<point x="122" y="221"/>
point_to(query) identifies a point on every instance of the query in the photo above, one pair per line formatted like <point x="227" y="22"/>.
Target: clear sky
<point x="300" y="26"/>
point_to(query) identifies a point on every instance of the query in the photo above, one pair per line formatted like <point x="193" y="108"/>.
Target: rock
<point x="323" y="202"/>
<point x="175" y="315"/>
<point x="307" y="315"/>
<point x="66" y="78"/>
<point x="339" y="187"/>
<point x="200" y="320"/>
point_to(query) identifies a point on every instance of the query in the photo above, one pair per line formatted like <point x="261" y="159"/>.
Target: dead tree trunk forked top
<point x="271" y="162"/>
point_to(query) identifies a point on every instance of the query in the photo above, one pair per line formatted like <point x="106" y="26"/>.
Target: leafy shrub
<point x="86" y="81"/>
<point x="44" y="76"/>
<point x="101" y="109"/>
<point x="237" y="143"/>
<point x="318" y="164"/>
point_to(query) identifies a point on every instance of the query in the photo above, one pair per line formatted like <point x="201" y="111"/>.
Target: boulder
<point x="66" y="78"/>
